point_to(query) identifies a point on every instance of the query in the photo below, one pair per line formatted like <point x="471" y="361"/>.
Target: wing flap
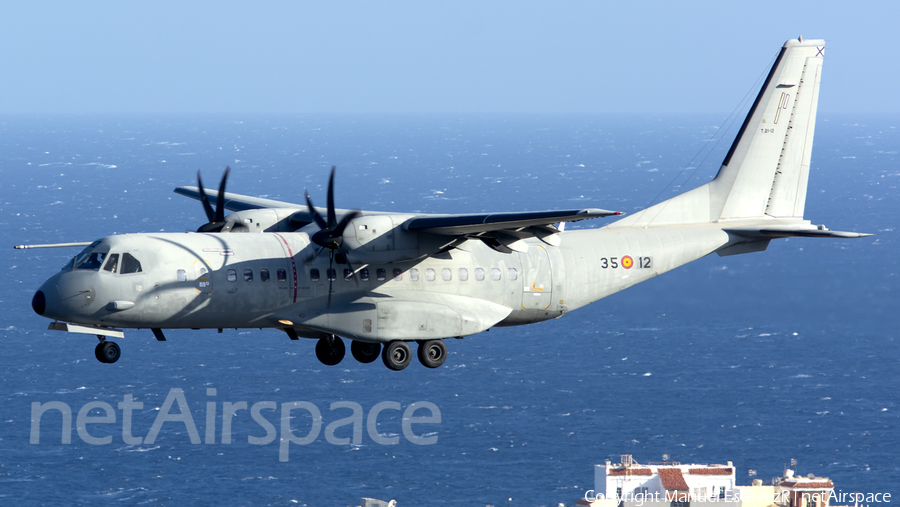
<point x="476" y="224"/>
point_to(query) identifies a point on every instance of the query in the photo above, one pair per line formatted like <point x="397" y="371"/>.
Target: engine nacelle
<point x="382" y="239"/>
<point x="262" y="220"/>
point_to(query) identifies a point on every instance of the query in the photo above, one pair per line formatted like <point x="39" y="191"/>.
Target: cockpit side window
<point x="112" y="263"/>
<point x="130" y="264"/>
<point x="93" y="261"/>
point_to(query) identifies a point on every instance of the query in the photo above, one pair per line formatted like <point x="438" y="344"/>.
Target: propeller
<point x="331" y="233"/>
<point x="216" y="217"/>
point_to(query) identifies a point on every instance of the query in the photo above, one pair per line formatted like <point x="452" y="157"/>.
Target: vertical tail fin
<point x="766" y="170"/>
<point x="767" y="167"/>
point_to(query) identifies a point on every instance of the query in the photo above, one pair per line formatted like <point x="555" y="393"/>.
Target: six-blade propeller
<point x="216" y="217"/>
<point x="331" y="234"/>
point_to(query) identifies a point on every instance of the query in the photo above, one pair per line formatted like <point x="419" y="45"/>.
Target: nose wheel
<point x="107" y="352"/>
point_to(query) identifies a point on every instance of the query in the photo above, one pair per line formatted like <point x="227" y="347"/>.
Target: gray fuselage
<point x="193" y="280"/>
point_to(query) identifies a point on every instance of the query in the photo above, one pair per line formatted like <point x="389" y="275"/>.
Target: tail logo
<point x="627" y="262"/>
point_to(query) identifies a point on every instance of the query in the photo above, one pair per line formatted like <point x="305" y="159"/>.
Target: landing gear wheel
<point x="107" y="352"/>
<point x="98" y="352"/>
<point x="432" y="353"/>
<point x="365" y="352"/>
<point x="330" y="351"/>
<point x="396" y="355"/>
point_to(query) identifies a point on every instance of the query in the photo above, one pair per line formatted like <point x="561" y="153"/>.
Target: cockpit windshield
<point x="93" y="261"/>
<point x="89" y="258"/>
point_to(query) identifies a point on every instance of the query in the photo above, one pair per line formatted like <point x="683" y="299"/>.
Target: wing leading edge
<point x="236" y="202"/>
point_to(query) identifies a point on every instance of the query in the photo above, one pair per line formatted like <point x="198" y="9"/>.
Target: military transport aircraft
<point x="384" y="280"/>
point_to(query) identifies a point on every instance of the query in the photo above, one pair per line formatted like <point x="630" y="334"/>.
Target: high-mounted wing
<point x="504" y="231"/>
<point x="300" y="216"/>
<point x="236" y="202"/>
<point x="465" y="225"/>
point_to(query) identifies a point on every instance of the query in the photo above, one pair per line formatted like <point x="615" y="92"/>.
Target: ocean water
<point x="757" y="359"/>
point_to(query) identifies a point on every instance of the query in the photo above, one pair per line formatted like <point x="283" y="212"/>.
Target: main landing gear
<point x="330" y="350"/>
<point x="107" y="352"/>
<point x="396" y="355"/>
<point x="432" y="353"/>
<point x="365" y="352"/>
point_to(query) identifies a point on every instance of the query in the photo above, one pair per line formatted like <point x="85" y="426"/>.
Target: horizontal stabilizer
<point x="789" y="231"/>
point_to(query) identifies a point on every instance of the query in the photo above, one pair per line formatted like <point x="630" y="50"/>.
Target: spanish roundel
<point x="627" y="262"/>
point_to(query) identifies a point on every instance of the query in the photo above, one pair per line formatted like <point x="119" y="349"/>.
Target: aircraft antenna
<point x="730" y="120"/>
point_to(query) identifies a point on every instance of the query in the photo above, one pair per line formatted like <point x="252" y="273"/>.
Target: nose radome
<point x="39" y="302"/>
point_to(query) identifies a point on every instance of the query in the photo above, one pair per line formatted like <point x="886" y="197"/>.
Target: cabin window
<point x="232" y="275"/>
<point x="332" y="274"/>
<point x="380" y="273"/>
<point x="463" y="274"/>
<point x="282" y="275"/>
<point x="446" y="274"/>
<point x="414" y="274"/>
<point x="130" y="264"/>
<point x="93" y="261"/>
<point x="113" y="262"/>
<point x="429" y="274"/>
<point x="248" y="275"/>
<point x="513" y="274"/>
<point x="364" y="274"/>
<point x="263" y="275"/>
<point x="182" y="275"/>
<point x="495" y="273"/>
<point x="398" y="274"/>
<point x="314" y="275"/>
<point x="479" y="274"/>
<point x="348" y="275"/>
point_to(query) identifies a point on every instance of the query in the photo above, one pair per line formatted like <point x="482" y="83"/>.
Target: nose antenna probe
<point x="52" y="245"/>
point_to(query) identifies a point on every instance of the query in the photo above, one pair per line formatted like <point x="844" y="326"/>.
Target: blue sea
<point x="757" y="359"/>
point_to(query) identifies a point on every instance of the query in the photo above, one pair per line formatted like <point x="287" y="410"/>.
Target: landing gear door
<point x="202" y="278"/>
<point x="537" y="293"/>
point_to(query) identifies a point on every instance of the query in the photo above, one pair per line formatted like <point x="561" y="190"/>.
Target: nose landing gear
<point x="107" y="352"/>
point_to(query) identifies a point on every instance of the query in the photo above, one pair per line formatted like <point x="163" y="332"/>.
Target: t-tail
<point x="759" y="192"/>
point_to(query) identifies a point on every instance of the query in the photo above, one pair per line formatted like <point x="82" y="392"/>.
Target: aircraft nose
<point x="39" y="302"/>
<point x="46" y="301"/>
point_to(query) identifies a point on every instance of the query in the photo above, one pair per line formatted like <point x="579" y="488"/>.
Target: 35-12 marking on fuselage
<point x="626" y="261"/>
